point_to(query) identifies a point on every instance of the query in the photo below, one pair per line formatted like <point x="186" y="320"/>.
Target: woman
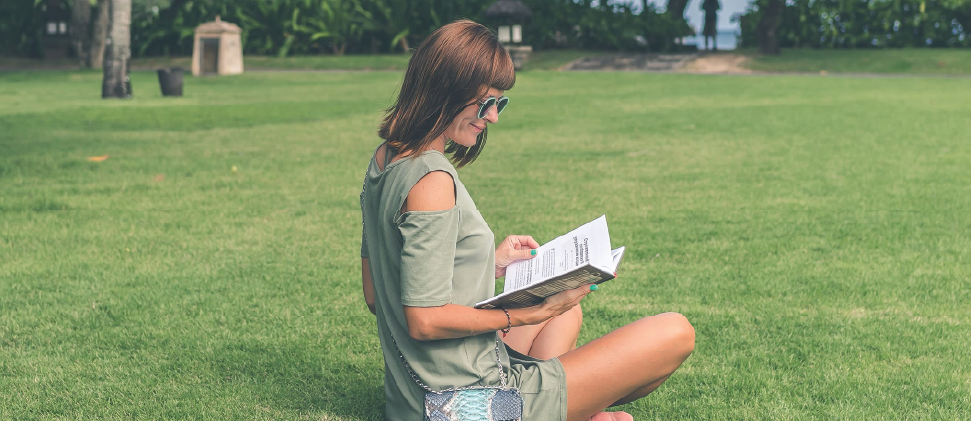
<point x="427" y="258"/>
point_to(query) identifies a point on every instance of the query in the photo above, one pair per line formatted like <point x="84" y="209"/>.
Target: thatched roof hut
<point x="509" y="11"/>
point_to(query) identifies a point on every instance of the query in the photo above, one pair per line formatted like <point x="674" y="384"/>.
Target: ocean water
<point x="727" y="40"/>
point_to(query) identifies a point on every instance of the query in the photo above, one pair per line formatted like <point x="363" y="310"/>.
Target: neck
<point x="438" y="144"/>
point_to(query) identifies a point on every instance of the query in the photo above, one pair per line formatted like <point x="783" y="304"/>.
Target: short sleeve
<point x="428" y="256"/>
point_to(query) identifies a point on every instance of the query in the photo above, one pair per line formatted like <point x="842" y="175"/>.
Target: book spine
<point x="535" y="295"/>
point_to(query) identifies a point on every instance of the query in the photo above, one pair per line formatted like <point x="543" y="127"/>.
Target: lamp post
<point x="510" y="15"/>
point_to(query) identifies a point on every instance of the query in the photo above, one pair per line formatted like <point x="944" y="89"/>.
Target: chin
<point x="468" y="144"/>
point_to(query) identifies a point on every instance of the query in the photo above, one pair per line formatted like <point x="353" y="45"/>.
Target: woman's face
<point x="467" y="125"/>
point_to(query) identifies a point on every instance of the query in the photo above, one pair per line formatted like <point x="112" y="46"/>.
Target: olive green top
<point x="426" y="259"/>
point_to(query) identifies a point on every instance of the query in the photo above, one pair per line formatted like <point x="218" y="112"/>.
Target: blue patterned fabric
<point x="480" y="404"/>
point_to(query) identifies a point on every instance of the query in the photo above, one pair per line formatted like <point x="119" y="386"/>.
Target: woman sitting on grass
<point x="428" y="257"/>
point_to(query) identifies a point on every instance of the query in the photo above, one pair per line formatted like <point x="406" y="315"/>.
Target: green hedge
<point x="866" y="23"/>
<point x="286" y="27"/>
<point x="289" y="27"/>
<point x="21" y="28"/>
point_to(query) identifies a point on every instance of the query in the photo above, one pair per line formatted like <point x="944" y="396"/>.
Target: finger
<point x="526" y="253"/>
<point x="529" y="241"/>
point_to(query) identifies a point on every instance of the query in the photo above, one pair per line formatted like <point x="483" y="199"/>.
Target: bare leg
<point x="625" y="364"/>
<point x="642" y="392"/>
<point x="559" y="336"/>
<point x="553" y="338"/>
<point x="549" y="339"/>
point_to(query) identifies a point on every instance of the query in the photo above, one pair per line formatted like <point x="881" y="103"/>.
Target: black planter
<point x="171" y="81"/>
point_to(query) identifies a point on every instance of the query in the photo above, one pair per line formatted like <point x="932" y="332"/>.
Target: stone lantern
<point x="511" y="15"/>
<point x="217" y="49"/>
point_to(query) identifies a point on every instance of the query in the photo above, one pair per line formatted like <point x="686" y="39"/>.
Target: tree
<point x="676" y="8"/>
<point x="767" y="29"/>
<point x="116" y="82"/>
<point x="679" y="27"/>
<point x="394" y="19"/>
<point x="99" y="32"/>
<point x="80" y="31"/>
<point x="343" y="21"/>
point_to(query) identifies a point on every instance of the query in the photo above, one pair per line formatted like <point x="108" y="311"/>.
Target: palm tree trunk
<point x="80" y="31"/>
<point x="98" y="34"/>
<point x="117" y="82"/>
<point x="767" y="29"/>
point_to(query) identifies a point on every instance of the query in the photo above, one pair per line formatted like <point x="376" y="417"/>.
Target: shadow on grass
<point x="300" y="379"/>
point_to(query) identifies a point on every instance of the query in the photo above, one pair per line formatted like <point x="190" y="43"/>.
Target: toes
<point x="611" y="416"/>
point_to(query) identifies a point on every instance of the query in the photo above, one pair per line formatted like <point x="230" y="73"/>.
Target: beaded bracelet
<point x="509" y="323"/>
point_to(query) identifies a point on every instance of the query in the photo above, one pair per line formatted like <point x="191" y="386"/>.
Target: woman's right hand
<point x="562" y="302"/>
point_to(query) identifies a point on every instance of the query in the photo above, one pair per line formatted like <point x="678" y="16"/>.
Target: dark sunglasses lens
<point x="484" y="108"/>
<point x="501" y="105"/>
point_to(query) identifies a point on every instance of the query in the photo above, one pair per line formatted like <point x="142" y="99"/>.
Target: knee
<point x="678" y="333"/>
<point x="577" y="314"/>
<point x="684" y="333"/>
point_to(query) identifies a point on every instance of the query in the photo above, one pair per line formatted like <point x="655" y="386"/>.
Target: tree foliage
<point x="22" y="27"/>
<point x="865" y="23"/>
<point x="287" y="27"/>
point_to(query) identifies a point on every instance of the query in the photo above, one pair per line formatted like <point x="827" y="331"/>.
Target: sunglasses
<point x="484" y="106"/>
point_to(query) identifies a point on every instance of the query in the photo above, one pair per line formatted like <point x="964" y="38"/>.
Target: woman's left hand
<point x="513" y="248"/>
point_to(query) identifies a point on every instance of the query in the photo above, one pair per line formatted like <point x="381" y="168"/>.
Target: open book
<point x="581" y="257"/>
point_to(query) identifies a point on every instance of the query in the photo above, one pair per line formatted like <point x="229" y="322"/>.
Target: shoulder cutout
<point x="435" y="191"/>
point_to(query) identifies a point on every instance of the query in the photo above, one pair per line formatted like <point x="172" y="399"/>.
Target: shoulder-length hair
<point x="446" y="74"/>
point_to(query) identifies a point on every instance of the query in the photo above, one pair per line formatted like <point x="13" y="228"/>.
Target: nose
<point x="492" y="115"/>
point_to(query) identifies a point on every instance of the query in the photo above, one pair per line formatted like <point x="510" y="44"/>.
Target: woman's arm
<point x="368" y="285"/>
<point x="455" y="321"/>
<point x="435" y="192"/>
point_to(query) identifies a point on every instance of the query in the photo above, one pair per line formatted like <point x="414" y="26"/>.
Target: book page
<point x="615" y="256"/>
<point x="588" y="244"/>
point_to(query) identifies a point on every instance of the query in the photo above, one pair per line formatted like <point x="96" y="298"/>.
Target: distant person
<point x="428" y="256"/>
<point x="711" y="22"/>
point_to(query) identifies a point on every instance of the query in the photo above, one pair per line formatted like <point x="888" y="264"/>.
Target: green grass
<point x="250" y="62"/>
<point x="318" y="62"/>
<point x="814" y="230"/>
<point x="540" y="60"/>
<point x="913" y="61"/>
<point x="926" y="61"/>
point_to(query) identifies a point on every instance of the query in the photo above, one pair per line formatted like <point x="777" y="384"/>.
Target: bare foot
<point x="611" y="416"/>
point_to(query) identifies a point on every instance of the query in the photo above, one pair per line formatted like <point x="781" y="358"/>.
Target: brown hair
<point x="445" y="75"/>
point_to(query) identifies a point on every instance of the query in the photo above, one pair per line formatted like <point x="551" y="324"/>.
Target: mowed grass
<point x="538" y="60"/>
<point x="922" y="61"/>
<point x="814" y="230"/>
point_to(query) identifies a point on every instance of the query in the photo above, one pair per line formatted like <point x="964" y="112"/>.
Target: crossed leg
<point x="620" y="367"/>
<point x="626" y="364"/>
<point x="549" y="339"/>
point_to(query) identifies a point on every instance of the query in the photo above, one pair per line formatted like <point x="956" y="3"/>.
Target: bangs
<point x="503" y="75"/>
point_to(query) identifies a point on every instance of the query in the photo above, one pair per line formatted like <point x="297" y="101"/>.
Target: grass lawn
<point x="814" y="230"/>
<point x="913" y="61"/>
<point x="925" y="61"/>
<point x="539" y="60"/>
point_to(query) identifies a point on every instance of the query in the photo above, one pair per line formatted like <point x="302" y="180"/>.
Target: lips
<point x="477" y="128"/>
